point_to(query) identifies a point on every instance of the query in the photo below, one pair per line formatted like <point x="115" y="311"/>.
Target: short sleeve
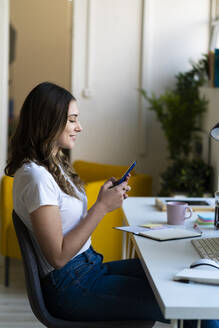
<point x="40" y="189"/>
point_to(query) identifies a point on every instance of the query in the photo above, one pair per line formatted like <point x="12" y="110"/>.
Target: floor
<point x="15" y="310"/>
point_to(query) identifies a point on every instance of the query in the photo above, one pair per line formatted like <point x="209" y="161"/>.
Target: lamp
<point x="214" y="133"/>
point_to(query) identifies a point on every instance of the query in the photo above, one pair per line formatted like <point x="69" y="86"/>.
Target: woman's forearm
<point x="76" y="238"/>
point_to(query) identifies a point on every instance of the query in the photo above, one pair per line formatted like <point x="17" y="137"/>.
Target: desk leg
<point x="133" y="252"/>
<point x="124" y="241"/>
<point x="199" y="323"/>
<point x="130" y="254"/>
<point x="174" y="323"/>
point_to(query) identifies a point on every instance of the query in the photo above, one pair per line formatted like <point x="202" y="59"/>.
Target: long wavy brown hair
<point x="43" y="118"/>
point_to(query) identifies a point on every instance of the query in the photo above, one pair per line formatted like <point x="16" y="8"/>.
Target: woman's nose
<point x="79" y="127"/>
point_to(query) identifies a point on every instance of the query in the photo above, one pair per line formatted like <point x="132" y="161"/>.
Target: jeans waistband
<point x="89" y="256"/>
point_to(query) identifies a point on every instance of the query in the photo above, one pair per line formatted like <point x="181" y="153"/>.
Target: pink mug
<point x="177" y="212"/>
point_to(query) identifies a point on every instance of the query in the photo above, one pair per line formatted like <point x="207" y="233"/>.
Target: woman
<point x="49" y="198"/>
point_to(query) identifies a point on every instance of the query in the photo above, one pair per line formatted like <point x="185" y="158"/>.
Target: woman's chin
<point x="70" y="146"/>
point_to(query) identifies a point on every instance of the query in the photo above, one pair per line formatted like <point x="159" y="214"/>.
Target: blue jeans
<point x="87" y="289"/>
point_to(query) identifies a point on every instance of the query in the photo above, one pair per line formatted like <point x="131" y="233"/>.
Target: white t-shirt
<point x="33" y="187"/>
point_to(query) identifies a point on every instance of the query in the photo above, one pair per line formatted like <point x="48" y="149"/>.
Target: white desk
<point x="161" y="260"/>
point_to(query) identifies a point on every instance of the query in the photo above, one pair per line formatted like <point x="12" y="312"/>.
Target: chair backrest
<point x="32" y="278"/>
<point x="34" y="291"/>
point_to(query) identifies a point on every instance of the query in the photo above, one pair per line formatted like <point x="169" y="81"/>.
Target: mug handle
<point x="190" y="212"/>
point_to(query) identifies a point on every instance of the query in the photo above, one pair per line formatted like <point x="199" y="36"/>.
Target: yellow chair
<point x="105" y="239"/>
<point x="8" y="241"/>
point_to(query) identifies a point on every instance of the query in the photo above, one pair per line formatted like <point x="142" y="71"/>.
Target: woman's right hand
<point x="111" y="197"/>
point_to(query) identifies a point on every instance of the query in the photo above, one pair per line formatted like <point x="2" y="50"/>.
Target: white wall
<point x="109" y="118"/>
<point x="175" y="31"/>
<point x="4" y="40"/>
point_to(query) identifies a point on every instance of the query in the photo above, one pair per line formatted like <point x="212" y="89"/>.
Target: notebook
<point x="170" y="234"/>
<point x="198" y="275"/>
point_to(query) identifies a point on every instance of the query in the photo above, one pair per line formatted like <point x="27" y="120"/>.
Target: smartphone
<point x="189" y="202"/>
<point x="116" y="183"/>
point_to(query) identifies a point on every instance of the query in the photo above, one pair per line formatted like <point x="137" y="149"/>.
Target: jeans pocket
<point x="82" y="269"/>
<point x="62" y="278"/>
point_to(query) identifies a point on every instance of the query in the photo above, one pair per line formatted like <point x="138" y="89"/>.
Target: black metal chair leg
<point x="7" y="263"/>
